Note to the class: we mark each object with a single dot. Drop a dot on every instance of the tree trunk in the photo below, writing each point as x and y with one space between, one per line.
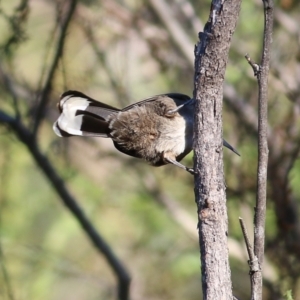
211 55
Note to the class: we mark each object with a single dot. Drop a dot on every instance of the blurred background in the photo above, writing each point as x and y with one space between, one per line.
120 52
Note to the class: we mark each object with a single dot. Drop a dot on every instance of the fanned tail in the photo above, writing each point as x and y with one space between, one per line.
82 115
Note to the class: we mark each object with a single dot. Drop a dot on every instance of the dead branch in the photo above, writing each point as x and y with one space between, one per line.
262 77
261 71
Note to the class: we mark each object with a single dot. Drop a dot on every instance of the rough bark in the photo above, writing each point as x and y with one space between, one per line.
211 55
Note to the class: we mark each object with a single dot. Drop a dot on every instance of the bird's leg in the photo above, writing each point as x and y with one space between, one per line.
172 112
178 164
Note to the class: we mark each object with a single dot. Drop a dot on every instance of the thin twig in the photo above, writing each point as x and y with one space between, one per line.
120 90
48 52
44 98
189 12
253 261
263 151
261 72
255 67
181 39
9 86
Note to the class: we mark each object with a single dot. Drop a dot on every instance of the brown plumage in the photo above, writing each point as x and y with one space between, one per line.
158 129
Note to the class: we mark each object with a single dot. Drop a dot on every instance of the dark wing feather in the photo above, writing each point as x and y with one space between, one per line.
93 101
177 96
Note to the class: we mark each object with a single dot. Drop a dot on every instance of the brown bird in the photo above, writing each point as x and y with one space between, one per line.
158 129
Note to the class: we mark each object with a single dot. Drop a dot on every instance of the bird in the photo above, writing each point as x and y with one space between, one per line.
158 130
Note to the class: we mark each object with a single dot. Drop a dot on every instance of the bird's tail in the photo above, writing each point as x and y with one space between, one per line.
82 115
227 145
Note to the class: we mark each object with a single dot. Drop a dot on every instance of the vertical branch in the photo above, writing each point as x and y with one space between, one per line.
211 56
260 211
261 72
263 151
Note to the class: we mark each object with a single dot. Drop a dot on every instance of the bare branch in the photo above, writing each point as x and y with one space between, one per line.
188 10
178 34
263 134
253 262
116 86
261 72
44 96
254 66
9 86
27 138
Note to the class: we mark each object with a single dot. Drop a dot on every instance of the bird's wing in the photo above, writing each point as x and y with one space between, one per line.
177 96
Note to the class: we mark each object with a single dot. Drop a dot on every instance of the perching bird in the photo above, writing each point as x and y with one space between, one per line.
158 129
